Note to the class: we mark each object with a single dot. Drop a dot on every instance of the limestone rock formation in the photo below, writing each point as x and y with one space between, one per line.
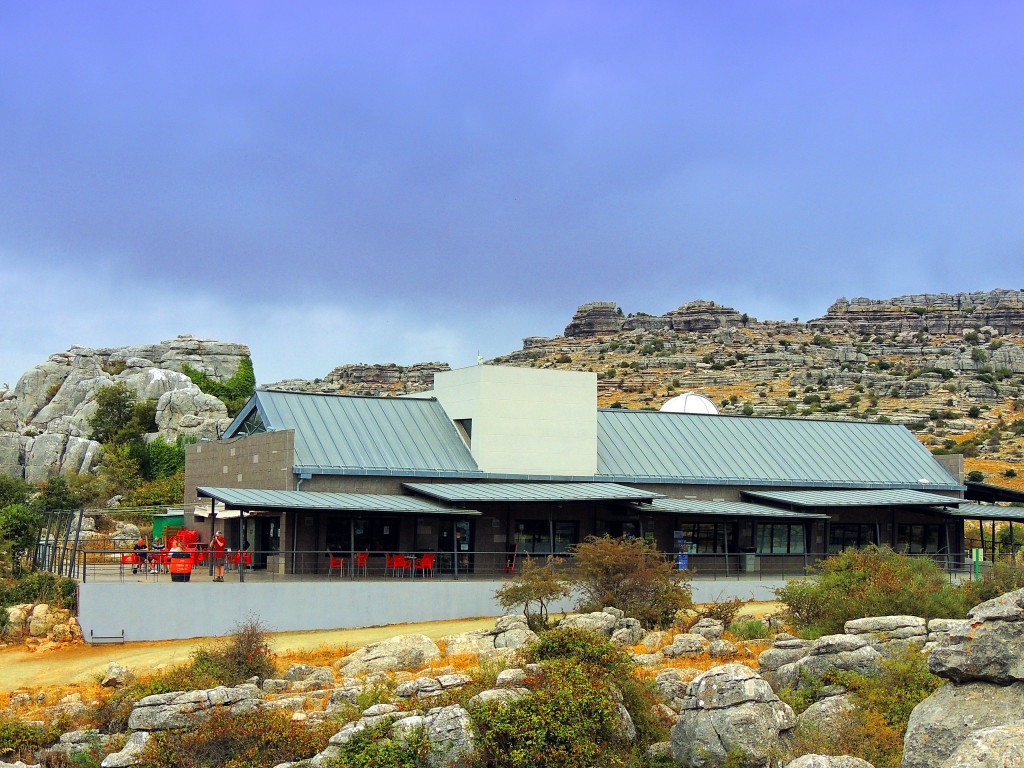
982 660
595 319
375 380
828 761
399 652
997 747
44 419
730 712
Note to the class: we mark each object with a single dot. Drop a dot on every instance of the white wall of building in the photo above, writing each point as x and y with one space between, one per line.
525 420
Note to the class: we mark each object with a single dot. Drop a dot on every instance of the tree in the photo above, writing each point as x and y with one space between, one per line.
534 589
629 574
56 494
13 490
115 406
19 532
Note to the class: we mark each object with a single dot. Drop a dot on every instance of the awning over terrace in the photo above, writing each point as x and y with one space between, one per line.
252 499
896 497
724 509
463 493
987 512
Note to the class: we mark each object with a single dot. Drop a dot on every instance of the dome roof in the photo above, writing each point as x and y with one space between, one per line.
690 402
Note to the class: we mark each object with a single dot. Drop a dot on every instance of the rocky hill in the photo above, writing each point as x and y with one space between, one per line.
948 366
44 419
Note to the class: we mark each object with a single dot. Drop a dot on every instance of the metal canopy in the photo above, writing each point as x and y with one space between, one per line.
253 498
896 497
987 512
530 492
993 493
723 508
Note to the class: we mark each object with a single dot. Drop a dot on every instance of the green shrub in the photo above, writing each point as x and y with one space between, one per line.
40 587
234 392
874 581
754 629
256 739
373 749
19 739
583 646
902 682
570 721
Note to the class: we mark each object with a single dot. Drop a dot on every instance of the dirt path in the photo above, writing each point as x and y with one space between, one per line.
87 663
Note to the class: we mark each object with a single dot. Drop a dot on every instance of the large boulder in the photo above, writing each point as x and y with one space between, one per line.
941 722
849 653
989 646
730 712
999 747
828 761
888 634
182 709
402 652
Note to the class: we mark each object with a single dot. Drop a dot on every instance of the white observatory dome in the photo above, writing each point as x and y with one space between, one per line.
690 402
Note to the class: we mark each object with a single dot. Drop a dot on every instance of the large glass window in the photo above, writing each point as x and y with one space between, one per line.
781 539
705 538
918 539
534 536
851 536
377 535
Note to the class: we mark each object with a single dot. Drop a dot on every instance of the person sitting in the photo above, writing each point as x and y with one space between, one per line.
142 553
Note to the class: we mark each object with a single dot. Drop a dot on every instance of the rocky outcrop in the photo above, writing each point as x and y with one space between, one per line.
828 761
1001 310
44 419
402 652
597 318
42 623
369 380
730 712
182 709
982 659
890 634
849 653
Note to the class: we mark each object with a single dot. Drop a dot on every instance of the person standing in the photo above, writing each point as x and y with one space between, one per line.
218 549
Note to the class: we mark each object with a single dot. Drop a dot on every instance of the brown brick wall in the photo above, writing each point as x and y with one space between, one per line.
257 461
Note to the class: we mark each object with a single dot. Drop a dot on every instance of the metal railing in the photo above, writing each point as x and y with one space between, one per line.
268 566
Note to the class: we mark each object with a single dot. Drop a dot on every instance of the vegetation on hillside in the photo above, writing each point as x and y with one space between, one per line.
234 392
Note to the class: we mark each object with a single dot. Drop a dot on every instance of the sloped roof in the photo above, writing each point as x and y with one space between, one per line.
896 497
384 434
255 498
650 446
987 512
723 508
530 492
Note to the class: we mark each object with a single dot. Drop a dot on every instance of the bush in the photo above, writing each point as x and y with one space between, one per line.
754 629
234 392
263 737
534 589
581 645
874 581
373 749
1003 577
902 682
19 739
631 575
41 587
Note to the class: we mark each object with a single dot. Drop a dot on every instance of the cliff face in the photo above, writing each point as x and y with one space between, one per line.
936 313
44 419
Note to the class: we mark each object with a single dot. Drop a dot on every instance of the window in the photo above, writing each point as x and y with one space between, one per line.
377 535
780 539
706 538
851 535
251 424
534 536
918 539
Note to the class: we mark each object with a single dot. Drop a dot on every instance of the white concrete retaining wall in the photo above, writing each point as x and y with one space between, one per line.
172 610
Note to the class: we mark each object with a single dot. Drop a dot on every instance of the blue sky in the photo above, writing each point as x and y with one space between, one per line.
346 182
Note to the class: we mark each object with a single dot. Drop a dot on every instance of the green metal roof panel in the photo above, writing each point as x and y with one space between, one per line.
723 508
896 497
254 498
386 434
987 512
731 450
527 492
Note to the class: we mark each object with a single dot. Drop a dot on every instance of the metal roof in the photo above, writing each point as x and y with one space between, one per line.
527 492
253 498
991 492
897 497
652 446
987 512
723 508
378 434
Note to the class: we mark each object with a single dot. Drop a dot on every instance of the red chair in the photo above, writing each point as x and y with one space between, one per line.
400 564
389 563
424 564
336 562
359 560
129 558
